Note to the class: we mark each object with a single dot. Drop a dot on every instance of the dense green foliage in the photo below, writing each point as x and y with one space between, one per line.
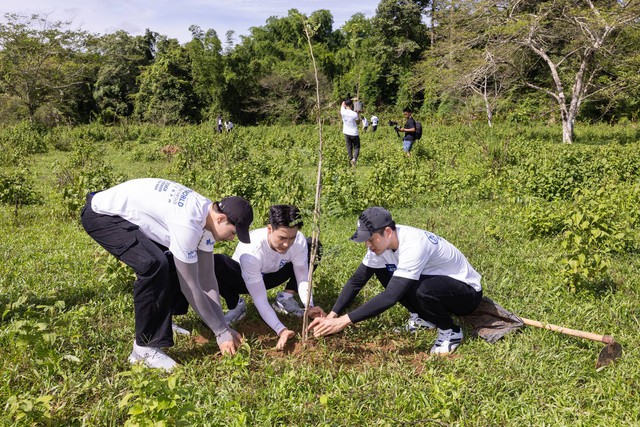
552 228
454 61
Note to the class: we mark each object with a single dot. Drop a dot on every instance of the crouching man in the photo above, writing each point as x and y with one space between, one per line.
138 221
278 253
422 271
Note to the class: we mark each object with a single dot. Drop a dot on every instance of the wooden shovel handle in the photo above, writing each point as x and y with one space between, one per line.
607 339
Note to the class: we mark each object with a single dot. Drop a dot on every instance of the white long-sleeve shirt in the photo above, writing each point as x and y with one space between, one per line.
258 258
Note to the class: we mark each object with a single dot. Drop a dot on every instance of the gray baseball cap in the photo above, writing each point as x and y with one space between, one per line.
370 220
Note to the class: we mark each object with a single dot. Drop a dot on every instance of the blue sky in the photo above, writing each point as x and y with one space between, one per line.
173 18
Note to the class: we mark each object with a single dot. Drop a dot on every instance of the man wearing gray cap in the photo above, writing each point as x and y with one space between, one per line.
418 269
139 222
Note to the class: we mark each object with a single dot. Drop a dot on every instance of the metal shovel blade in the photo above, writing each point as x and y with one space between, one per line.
609 354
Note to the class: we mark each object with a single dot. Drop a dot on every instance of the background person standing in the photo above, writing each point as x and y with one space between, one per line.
219 123
409 130
374 123
350 130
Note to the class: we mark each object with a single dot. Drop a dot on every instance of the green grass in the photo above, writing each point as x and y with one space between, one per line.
67 311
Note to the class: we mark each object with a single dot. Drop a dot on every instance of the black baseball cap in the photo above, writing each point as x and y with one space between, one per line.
370 220
239 211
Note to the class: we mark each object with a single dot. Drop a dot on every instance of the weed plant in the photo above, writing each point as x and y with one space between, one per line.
553 229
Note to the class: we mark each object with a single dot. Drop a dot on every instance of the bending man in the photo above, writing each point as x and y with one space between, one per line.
138 221
417 268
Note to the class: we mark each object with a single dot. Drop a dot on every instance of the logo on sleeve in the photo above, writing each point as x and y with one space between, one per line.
391 267
209 242
432 238
191 255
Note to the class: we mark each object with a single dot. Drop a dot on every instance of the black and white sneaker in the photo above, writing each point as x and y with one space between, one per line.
286 304
414 324
447 341
236 314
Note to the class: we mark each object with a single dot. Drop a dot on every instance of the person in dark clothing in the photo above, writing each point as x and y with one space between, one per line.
409 130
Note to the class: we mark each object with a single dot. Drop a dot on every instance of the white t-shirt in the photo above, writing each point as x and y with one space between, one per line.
349 125
374 120
165 211
258 258
424 253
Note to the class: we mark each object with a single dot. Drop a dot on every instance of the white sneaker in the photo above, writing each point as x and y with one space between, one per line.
414 324
178 330
447 341
236 314
153 357
287 305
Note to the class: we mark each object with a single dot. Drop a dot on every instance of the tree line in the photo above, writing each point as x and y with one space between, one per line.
448 60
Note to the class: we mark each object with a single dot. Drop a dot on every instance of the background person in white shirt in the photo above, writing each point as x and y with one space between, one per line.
374 123
418 269
138 222
350 130
278 253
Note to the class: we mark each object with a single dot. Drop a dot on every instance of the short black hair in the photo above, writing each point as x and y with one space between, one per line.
285 216
348 102
407 110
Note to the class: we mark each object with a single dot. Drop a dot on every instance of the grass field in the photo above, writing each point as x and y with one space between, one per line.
553 229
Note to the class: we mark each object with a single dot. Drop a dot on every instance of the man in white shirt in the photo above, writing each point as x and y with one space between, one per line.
417 268
138 221
277 253
374 123
350 130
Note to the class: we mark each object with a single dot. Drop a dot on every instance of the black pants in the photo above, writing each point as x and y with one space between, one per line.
353 146
435 298
156 290
231 283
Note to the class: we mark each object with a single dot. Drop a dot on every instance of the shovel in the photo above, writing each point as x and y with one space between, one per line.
608 354
490 321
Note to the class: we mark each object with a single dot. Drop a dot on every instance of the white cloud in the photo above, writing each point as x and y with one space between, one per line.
173 18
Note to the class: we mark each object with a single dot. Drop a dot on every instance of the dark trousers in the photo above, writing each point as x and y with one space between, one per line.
435 298
156 290
353 146
231 283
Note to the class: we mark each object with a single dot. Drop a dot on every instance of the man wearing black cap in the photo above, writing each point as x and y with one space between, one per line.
138 221
417 268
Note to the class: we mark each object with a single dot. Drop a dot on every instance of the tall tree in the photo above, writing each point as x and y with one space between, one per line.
269 74
207 70
466 63
166 94
572 38
122 58
40 61
402 37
